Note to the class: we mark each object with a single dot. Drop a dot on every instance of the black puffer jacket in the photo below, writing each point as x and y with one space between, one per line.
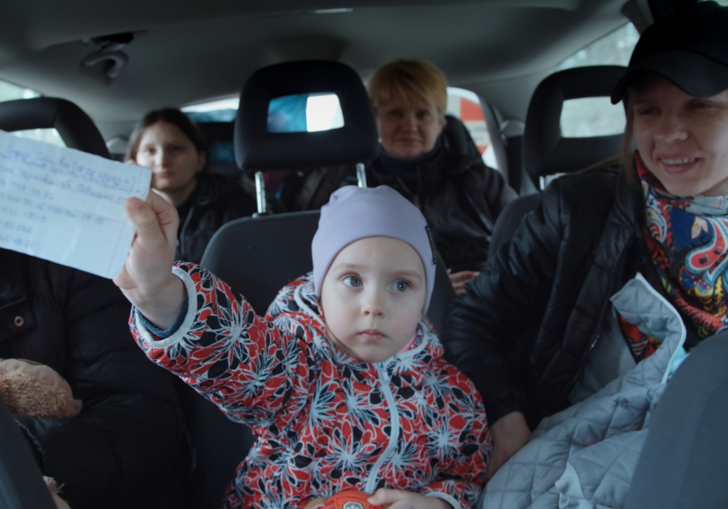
458 194
127 447
570 255
214 202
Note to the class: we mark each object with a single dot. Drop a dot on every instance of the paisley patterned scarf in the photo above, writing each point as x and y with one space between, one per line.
687 239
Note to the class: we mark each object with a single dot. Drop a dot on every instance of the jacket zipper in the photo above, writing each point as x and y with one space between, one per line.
601 322
393 434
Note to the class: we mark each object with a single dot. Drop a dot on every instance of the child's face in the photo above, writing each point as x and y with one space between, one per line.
373 297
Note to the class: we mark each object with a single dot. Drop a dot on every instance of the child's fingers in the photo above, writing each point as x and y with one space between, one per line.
386 496
166 214
144 219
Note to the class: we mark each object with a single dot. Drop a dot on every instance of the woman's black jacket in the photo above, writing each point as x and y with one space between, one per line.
458 194
544 297
214 202
127 447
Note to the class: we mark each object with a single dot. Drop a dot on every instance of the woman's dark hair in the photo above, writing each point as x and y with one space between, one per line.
172 116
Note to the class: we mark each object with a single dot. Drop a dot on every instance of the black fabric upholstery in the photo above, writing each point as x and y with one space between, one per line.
256 149
546 152
277 249
21 482
75 127
270 251
509 221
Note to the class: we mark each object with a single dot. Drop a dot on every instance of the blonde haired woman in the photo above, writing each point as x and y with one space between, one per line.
436 166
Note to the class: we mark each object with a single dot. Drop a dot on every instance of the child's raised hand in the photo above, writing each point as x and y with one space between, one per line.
147 279
398 499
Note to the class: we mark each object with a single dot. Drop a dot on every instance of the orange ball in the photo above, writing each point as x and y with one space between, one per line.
349 499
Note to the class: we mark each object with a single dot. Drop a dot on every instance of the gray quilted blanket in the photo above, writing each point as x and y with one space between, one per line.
584 456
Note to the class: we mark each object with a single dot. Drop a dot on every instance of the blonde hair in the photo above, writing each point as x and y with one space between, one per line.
411 80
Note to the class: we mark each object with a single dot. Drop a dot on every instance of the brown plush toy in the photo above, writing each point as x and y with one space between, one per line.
31 388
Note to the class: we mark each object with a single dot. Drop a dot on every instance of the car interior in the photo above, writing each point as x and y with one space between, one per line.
100 67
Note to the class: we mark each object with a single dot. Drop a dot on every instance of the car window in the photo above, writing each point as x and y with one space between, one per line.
10 92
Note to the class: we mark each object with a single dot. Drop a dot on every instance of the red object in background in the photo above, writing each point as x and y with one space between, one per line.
472 116
349 499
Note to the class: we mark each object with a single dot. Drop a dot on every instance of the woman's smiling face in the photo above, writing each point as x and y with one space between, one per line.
683 140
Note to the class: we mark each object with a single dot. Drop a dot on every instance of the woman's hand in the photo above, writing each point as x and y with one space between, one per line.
458 280
147 279
398 499
509 433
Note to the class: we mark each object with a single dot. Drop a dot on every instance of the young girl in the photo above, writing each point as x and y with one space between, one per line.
342 381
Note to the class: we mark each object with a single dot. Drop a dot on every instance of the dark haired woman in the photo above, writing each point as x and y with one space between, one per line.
173 147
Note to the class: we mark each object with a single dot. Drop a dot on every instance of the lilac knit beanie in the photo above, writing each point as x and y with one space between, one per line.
355 213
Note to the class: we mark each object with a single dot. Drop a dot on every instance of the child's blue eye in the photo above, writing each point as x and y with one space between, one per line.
352 281
401 286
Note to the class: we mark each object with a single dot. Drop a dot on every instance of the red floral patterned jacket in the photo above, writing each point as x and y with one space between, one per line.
323 421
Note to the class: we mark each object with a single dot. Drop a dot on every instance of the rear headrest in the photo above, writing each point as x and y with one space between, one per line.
545 151
75 127
459 138
259 150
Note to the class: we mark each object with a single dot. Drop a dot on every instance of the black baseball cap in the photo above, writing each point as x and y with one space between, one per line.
689 48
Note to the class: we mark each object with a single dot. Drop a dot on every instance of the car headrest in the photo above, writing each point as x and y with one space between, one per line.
459 138
73 125
257 149
546 152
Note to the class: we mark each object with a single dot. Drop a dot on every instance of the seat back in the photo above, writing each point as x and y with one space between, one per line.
546 151
268 253
76 129
258 256
276 250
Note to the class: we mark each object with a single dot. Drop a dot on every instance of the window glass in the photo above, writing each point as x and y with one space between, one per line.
304 112
10 92
591 116
465 105
223 110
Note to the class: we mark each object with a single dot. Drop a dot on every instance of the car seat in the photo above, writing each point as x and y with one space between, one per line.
259 255
76 129
258 150
546 151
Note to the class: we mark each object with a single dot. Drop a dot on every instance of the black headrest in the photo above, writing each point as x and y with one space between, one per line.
459 139
75 127
259 150
545 151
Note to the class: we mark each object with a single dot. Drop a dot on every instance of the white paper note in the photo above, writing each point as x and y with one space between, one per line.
67 206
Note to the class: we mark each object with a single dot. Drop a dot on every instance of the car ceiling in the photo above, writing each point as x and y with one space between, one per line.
189 50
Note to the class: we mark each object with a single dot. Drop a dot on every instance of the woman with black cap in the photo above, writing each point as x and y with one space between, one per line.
661 218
